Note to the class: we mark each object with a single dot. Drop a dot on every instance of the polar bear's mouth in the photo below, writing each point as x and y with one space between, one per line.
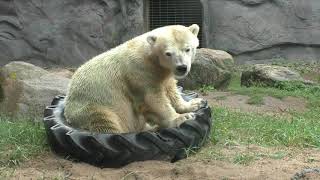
181 71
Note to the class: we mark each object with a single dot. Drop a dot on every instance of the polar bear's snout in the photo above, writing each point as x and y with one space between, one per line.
181 66
181 70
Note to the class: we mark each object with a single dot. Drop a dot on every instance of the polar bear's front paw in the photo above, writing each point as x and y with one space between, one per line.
148 127
184 117
196 104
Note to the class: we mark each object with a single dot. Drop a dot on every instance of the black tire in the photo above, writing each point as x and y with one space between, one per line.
116 150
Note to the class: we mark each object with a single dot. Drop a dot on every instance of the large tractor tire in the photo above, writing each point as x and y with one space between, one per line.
116 150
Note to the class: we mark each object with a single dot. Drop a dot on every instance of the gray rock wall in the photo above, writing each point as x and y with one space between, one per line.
256 30
65 32
69 32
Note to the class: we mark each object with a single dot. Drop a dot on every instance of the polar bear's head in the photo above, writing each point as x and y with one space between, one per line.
175 47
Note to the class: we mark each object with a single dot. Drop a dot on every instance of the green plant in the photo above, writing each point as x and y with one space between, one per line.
243 158
291 85
19 140
282 89
206 88
256 100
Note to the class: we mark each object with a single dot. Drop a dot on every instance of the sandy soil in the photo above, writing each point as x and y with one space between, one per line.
50 166
266 163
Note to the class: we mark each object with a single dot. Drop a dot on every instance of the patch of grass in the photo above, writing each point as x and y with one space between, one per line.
212 152
254 91
206 88
297 86
283 89
191 151
298 130
256 100
278 155
221 98
243 158
20 140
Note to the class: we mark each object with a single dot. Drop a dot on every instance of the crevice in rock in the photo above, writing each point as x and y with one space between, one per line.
252 2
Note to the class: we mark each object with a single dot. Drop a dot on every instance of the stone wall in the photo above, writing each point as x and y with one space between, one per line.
69 32
65 32
258 30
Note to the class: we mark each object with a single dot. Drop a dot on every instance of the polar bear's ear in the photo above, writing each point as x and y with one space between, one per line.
194 28
152 39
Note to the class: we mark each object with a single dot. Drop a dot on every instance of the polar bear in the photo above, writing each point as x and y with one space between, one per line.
133 86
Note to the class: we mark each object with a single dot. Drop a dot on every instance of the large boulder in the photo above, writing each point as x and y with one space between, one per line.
26 89
65 33
210 68
270 75
256 31
19 70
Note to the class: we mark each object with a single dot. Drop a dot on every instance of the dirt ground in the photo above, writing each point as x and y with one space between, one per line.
50 166
265 166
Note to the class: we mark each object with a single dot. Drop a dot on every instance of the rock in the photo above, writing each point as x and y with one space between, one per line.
269 75
310 173
256 31
65 33
210 68
26 89
62 72
19 70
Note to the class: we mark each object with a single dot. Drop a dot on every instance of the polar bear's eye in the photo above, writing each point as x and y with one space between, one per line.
168 54
188 50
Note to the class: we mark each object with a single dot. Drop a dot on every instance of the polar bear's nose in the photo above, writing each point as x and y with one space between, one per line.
182 69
